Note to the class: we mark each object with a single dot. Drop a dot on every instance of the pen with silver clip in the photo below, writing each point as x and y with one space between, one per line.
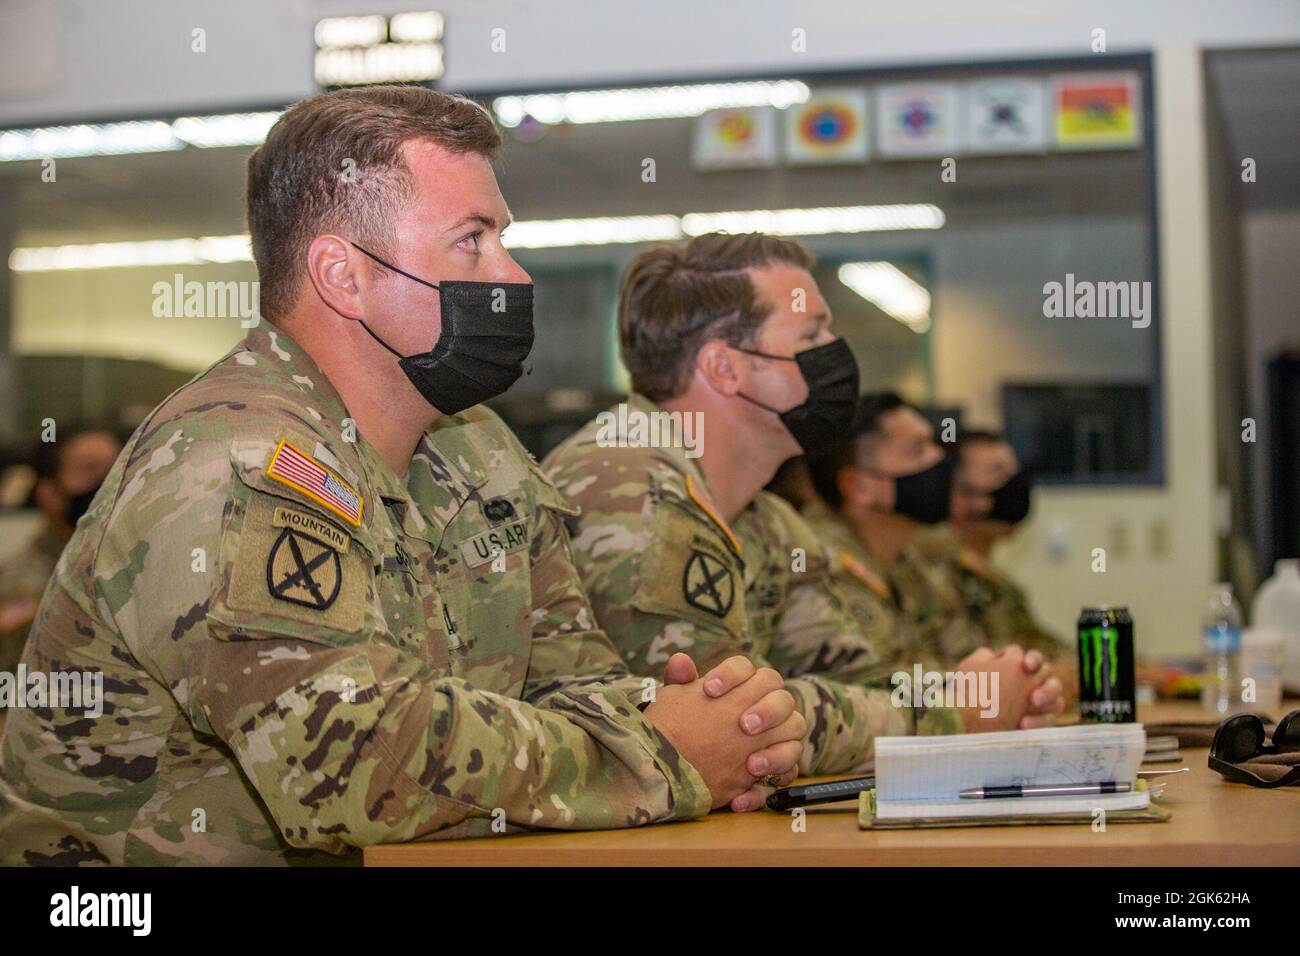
1060 790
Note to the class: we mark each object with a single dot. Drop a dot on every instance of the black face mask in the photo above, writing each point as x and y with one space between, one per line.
831 374
1011 501
487 333
924 496
78 505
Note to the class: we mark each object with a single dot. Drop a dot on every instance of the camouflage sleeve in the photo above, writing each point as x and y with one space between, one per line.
568 647
631 544
569 652
348 738
938 624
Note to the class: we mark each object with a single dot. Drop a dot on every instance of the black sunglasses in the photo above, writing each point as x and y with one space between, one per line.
1240 738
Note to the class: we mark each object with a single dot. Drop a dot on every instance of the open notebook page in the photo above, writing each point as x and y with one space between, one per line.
922 776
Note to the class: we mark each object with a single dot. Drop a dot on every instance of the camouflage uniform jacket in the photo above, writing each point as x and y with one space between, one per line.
917 596
992 599
303 653
665 573
868 597
23 577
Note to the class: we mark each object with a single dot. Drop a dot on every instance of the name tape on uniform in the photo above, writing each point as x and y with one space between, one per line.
482 548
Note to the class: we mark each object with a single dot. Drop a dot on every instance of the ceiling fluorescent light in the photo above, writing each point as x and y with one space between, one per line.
97 139
891 290
232 129
121 255
136 136
551 233
816 222
528 234
656 102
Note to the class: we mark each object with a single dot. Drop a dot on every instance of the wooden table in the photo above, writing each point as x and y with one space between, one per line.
1214 823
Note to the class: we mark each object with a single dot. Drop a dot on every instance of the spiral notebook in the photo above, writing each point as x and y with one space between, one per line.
920 778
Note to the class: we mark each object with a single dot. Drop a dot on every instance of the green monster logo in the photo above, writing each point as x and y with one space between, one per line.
1096 644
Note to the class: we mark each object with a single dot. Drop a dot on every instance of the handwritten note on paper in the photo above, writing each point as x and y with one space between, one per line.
937 769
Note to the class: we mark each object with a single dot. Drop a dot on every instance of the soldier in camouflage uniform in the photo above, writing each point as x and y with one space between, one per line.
891 485
69 470
677 560
991 496
868 594
311 640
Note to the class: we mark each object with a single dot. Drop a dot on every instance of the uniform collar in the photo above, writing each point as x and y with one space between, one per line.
831 529
674 456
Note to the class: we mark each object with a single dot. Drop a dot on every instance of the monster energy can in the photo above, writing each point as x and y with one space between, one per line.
1106 682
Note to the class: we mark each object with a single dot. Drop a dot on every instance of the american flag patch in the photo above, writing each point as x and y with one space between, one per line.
291 467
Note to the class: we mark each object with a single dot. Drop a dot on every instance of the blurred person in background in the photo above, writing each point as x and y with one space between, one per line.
68 473
991 496
879 489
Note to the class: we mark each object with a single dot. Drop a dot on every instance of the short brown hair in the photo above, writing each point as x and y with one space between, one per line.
677 296
334 161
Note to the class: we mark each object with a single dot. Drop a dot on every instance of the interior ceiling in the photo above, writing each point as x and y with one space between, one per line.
595 170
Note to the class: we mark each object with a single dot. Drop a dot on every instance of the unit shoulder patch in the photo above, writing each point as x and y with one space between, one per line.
303 570
973 563
290 565
864 574
708 583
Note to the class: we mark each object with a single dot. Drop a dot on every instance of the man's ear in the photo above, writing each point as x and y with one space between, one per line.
716 365
337 270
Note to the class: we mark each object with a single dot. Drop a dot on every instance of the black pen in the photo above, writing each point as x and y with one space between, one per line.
808 794
1060 790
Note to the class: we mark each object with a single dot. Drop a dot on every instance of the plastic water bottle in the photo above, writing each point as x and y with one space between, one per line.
1221 647
1277 606
1261 670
